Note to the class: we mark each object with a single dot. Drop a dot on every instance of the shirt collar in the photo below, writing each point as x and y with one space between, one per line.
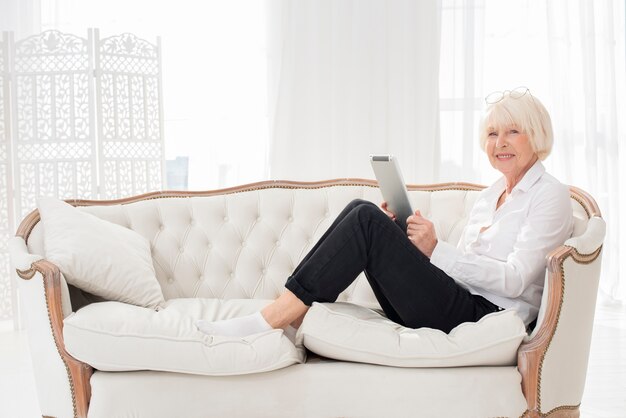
531 177
533 174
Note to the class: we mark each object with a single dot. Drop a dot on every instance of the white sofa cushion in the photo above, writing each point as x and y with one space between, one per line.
113 336
100 257
350 332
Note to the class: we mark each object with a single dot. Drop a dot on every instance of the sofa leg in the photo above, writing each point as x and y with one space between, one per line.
80 374
560 412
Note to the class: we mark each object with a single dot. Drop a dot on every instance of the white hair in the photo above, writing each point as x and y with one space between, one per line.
526 113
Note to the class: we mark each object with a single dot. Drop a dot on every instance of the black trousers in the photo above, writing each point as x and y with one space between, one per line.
411 290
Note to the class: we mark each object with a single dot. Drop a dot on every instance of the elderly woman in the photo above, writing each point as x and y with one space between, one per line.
421 281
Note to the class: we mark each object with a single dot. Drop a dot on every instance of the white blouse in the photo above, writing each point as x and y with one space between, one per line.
501 253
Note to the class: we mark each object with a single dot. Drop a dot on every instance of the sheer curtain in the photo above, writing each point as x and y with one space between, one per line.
571 55
349 78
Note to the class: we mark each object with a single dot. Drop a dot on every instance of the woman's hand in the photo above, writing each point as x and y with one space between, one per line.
421 232
385 209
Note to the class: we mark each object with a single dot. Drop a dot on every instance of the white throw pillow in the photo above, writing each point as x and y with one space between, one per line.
100 257
350 332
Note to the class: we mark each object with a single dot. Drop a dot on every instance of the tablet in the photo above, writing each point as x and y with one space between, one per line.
392 186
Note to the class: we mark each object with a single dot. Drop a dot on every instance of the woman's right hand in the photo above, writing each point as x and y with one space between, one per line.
385 209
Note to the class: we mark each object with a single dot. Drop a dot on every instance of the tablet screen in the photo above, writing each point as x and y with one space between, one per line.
392 186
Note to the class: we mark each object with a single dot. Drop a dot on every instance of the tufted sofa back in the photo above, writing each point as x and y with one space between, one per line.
244 242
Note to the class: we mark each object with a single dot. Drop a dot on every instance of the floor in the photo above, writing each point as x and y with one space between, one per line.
605 388
605 391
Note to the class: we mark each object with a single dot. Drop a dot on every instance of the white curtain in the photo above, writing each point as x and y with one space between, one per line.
22 17
349 78
571 55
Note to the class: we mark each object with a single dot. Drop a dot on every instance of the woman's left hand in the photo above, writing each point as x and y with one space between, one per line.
421 232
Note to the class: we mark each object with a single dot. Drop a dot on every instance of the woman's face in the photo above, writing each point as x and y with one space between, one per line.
510 152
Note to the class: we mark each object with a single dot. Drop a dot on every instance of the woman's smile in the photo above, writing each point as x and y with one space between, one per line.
504 157
510 152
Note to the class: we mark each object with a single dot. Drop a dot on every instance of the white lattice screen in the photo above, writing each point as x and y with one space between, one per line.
54 135
128 86
6 216
85 122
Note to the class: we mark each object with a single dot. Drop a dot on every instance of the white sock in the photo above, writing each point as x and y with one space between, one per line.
235 327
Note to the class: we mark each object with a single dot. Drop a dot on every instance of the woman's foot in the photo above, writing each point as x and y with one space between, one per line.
285 312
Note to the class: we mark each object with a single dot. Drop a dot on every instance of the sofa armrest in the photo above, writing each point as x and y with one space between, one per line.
553 363
22 260
78 373
592 239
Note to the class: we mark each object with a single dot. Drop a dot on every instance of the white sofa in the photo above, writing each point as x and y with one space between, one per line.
257 233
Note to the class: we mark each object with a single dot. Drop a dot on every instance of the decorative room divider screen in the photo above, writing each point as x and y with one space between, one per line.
82 118
7 226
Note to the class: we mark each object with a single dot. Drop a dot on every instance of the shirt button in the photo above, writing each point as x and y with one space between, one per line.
170 280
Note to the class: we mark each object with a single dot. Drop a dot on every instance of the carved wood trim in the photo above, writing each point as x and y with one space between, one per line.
26 274
530 355
27 224
586 258
78 373
586 200
565 412
560 412
32 218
